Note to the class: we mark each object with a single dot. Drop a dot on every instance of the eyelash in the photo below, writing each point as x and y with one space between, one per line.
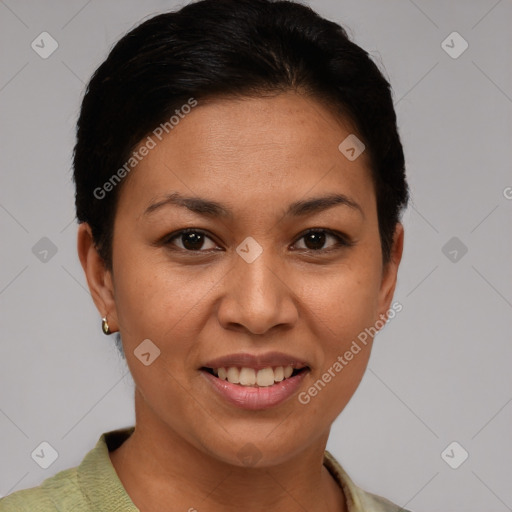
341 240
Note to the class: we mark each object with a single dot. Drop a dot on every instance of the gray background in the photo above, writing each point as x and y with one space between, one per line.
440 371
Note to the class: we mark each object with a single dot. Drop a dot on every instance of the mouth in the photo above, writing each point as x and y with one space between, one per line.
245 376
257 388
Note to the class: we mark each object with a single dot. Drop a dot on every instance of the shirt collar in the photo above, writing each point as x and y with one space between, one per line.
98 479
103 489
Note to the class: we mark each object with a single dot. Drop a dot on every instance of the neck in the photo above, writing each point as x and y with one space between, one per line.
158 467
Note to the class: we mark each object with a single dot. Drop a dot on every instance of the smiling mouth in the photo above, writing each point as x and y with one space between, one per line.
250 377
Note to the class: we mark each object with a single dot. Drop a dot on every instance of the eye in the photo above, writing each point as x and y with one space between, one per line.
316 238
191 240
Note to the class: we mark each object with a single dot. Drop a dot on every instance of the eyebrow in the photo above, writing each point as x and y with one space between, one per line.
213 209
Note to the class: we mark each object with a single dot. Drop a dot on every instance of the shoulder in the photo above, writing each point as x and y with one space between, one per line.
91 486
358 500
374 503
57 493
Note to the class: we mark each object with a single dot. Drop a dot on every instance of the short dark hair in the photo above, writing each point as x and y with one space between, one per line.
223 48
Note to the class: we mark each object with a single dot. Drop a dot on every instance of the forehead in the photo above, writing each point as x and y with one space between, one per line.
250 152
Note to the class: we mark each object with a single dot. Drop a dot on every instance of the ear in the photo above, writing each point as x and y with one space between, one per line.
99 278
390 271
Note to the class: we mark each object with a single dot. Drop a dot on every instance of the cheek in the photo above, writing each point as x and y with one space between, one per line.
344 307
153 296
168 305
345 300
157 301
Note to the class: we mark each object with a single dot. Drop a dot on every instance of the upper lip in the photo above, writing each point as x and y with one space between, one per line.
256 361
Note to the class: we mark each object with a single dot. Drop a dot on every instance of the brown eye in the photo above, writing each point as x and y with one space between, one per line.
194 240
191 240
315 239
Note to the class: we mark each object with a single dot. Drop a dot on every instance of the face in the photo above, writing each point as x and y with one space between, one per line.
248 286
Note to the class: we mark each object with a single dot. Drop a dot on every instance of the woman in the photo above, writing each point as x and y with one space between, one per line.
239 184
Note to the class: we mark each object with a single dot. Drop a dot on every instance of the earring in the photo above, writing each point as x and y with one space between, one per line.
104 326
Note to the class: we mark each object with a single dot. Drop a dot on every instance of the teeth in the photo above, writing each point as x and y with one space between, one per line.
265 377
233 375
251 377
247 377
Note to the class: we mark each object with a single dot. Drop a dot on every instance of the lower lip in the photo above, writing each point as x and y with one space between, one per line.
255 398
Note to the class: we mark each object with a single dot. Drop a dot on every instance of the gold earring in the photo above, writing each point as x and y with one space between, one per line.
104 326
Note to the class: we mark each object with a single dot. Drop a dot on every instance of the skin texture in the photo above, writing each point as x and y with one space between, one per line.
255 156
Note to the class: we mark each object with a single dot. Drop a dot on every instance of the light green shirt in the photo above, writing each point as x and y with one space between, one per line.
94 486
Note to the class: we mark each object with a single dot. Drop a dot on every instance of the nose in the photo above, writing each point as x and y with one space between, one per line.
258 296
